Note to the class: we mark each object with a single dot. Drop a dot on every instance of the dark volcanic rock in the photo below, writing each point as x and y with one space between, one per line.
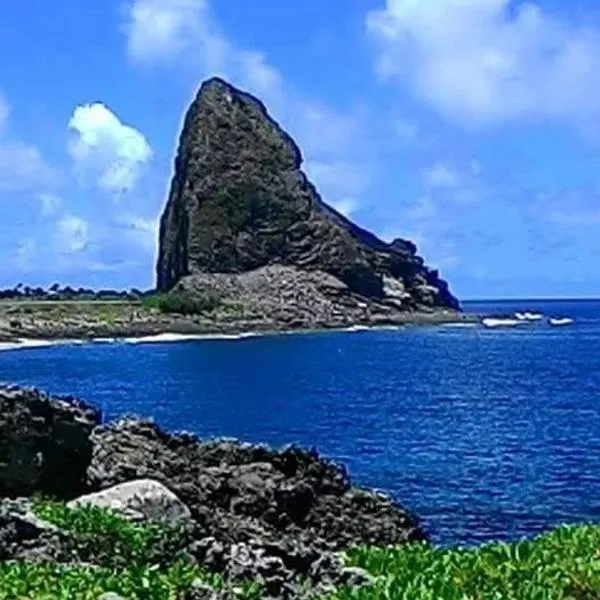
239 201
44 443
259 513
25 537
279 517
237 492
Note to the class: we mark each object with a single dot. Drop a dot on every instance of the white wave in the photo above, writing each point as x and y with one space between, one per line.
163 338
25 344
105 340
459 325
528 316
492 323
355 328
559 322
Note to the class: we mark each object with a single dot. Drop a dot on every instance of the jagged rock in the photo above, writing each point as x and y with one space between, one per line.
238 492
23 536
239 202
260 513
141 499
39 437
280 517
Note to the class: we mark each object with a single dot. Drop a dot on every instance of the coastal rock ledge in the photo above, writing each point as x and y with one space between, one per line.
242 215
278 516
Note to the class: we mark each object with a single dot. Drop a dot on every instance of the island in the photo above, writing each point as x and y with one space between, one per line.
246 243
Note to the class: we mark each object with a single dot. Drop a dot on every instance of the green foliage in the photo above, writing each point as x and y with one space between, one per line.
182 303
25 581
146 561
562 565
111 540
125 558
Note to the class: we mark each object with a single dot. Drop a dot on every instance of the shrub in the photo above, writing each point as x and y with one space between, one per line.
561 565
182 303
108 539
122 559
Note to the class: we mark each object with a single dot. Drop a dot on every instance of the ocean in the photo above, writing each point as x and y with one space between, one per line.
486 434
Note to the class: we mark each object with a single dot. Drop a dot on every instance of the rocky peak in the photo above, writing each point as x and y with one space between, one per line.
239 201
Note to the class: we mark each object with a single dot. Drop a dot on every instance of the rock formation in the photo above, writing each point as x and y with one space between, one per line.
239 202
251 512
38 437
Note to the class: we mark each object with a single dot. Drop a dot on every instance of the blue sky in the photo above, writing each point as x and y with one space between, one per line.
469 126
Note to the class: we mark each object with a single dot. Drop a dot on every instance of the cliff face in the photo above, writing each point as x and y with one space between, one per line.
239 201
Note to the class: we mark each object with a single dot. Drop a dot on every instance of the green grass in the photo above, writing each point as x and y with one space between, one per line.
561 565
136 561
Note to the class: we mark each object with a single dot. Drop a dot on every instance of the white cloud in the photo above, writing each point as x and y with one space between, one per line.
114 152
185 32
442 175
4 111
422 211
142 230
486 61
346 206
72 234
167 30
49 204
22 167
338 175
570 210
339 182
158 29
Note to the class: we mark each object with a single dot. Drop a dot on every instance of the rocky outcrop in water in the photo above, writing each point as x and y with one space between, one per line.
239 202
250 511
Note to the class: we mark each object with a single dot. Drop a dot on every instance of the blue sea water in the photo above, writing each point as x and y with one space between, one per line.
485 433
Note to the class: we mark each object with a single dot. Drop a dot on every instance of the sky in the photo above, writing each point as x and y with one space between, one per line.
471 127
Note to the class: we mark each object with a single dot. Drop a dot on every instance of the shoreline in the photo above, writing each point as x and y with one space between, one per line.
47 332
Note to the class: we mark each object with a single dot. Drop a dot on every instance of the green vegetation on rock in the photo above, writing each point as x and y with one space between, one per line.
561 565
30 581
108 539
147 561
111 554
182 303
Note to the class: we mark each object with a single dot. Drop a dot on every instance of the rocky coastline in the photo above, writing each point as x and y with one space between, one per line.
86 321
281 517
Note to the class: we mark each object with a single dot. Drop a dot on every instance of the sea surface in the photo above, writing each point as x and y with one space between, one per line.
486 434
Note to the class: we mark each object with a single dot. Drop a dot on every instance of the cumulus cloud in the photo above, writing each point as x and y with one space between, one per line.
72 234
113 152
489 61
165 30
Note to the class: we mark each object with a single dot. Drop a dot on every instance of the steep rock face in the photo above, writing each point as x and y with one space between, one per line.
240 201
